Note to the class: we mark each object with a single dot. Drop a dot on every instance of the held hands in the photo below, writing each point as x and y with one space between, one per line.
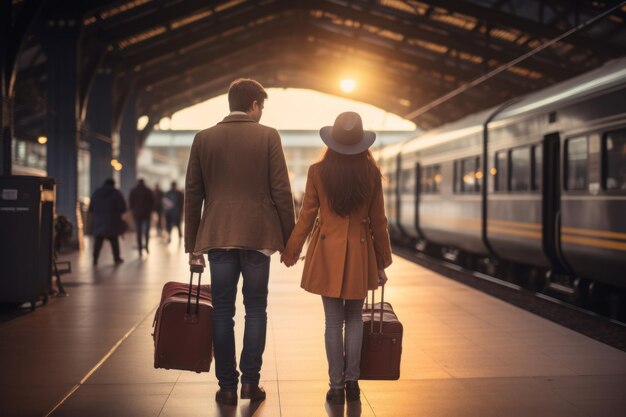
382 277
289 261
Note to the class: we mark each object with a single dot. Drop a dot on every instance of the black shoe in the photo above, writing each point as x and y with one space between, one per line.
253 392
226 397
118 261
353 392
95 262
336 396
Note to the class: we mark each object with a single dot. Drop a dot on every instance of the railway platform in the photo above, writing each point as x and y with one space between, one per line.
464 352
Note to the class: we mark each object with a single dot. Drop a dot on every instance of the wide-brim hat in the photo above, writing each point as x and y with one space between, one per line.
347 136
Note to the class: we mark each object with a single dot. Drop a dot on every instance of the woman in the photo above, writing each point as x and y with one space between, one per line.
343 213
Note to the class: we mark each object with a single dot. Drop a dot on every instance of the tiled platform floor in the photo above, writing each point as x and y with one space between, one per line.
465 353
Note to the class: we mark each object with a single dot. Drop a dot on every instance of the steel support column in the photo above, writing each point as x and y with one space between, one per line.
60 41
6 73
99 126
128 147
6 134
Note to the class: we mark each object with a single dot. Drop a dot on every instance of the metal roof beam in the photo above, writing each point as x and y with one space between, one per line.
425 29
194 34
529 26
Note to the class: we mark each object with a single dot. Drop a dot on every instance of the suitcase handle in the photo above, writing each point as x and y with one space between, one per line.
191 290
382 301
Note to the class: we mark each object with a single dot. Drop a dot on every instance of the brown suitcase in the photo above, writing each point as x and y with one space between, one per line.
382 341
183 329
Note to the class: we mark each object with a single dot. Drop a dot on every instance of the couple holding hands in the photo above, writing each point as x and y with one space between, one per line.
239 210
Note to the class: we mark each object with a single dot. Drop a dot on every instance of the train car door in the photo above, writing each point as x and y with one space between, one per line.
418 188
550 177
397 168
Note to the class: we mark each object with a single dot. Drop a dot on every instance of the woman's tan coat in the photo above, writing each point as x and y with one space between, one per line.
344 253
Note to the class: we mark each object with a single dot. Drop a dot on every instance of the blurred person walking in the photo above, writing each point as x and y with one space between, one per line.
238 174
106 207
158 208
344 215
141 202
173 203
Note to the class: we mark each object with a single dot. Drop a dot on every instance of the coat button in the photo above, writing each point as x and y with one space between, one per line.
362 239
364 220
323 237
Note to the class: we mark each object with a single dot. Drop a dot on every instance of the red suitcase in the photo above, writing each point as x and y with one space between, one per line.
183 330
382 341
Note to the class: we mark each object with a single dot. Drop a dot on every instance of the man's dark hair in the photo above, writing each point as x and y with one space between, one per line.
109 182
243 92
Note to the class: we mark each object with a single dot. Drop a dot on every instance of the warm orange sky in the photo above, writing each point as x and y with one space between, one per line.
290 108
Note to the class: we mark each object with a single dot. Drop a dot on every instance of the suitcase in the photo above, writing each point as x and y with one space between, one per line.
183 329
382 341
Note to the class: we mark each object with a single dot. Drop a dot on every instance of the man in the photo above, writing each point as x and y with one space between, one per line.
237 169
106 207
141 202
158 207
173 203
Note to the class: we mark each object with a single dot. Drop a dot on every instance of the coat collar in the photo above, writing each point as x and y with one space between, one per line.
237 118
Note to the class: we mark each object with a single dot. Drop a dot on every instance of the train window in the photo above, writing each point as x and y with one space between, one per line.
502 170
458 177
479 174
576 160
468 175
520 169
615 160
425 180
436 179
537 167
407 181
391 185
431 179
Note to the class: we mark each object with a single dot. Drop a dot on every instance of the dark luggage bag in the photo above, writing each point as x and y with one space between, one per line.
183 329
382 341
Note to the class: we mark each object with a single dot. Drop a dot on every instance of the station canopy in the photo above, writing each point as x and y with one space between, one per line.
404 54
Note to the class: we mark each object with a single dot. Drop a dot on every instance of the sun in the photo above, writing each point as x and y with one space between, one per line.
347 85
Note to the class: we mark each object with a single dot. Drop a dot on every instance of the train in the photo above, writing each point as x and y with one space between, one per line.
533 190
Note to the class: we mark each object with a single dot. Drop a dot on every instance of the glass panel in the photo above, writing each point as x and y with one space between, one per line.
407 181
425 181
479 174
538 167
576 150
436 175
520 169
615 151
458 177
502 169
469 175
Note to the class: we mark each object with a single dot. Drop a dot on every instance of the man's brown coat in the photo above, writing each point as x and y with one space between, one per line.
237 169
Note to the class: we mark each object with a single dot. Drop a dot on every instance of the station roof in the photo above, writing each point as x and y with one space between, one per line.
405 54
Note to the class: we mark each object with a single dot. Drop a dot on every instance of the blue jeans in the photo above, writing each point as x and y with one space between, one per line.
225 266
343 351
142 228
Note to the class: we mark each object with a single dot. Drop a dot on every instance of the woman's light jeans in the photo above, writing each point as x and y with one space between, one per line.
343 354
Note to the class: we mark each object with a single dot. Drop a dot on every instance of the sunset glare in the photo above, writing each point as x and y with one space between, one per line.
347 85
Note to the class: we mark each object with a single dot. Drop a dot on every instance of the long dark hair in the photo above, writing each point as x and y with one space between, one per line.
348 179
